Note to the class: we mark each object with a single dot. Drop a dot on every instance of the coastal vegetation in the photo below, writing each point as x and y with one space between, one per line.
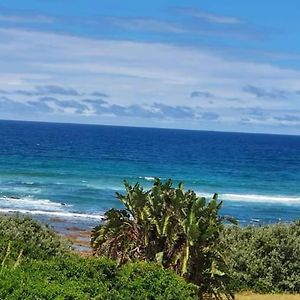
27 239
166 243
74 277
173 228
37 264
264 259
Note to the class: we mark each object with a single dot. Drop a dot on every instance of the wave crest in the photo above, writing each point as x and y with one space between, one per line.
254 198
68 215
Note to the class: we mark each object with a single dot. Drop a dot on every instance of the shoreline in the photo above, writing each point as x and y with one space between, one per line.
75 231
79 239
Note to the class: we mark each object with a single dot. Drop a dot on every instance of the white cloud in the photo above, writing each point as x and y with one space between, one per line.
210 17
142 73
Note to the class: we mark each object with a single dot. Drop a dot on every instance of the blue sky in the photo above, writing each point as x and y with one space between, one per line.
215 65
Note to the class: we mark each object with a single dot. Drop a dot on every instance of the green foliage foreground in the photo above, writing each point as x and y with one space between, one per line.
79 278
185 233
29 239
172 227
265 259
36 264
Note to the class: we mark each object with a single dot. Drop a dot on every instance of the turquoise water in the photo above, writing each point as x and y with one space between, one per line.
73 171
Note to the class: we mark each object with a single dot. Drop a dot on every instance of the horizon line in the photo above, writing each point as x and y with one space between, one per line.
149 127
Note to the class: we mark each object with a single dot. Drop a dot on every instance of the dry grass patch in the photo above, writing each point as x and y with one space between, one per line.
249 296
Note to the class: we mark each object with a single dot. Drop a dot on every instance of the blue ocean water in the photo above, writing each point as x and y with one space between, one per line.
73 171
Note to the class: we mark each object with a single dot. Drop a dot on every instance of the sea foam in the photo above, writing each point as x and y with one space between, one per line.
68 215
254 198
29 201
260 198
148 178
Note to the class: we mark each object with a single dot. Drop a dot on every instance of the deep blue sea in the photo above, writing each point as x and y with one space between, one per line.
73 171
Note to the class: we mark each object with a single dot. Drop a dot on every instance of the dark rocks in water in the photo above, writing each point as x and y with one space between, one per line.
14 197
63 204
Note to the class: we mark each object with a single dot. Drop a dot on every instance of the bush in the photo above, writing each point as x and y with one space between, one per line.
142 280
172 227
265 259
57 278
90 278
32 239
48 270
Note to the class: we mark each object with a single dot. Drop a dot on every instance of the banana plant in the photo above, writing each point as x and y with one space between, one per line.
172 227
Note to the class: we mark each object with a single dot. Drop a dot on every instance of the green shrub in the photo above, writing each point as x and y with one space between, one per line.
48 270
35 240
142 280
172 227
265 259
90 278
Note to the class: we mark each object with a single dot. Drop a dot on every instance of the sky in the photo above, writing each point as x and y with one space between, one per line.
225 65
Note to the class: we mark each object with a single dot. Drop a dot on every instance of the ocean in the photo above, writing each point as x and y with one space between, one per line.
72 172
